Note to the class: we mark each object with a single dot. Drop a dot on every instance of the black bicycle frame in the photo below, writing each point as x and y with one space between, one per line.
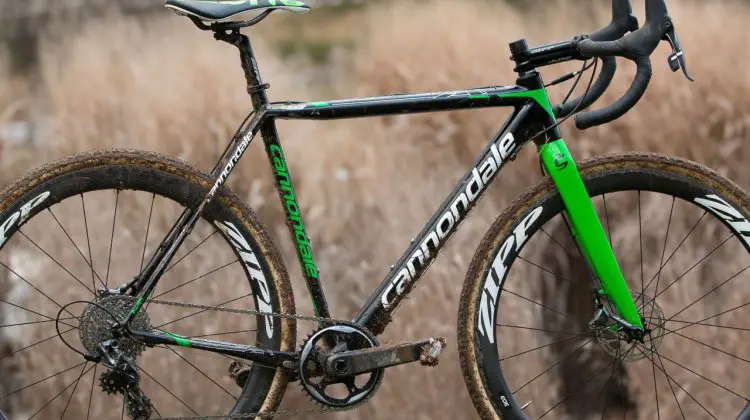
530 116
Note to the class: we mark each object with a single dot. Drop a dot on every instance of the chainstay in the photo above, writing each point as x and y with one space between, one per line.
268 414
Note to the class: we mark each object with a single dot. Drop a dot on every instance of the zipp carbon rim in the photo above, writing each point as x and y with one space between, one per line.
90 221
680 233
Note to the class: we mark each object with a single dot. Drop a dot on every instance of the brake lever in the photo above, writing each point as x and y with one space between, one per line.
677 58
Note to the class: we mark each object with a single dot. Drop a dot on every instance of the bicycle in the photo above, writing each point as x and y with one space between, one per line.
341 364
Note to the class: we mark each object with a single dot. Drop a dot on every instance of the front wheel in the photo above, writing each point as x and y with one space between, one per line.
681 236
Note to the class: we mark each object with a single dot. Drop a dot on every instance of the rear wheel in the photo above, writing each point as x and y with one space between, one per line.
90 222
680 234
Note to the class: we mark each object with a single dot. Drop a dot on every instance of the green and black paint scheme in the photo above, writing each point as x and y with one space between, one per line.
533 114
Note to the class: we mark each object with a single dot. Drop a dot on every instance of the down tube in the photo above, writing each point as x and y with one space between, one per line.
588 229
402 277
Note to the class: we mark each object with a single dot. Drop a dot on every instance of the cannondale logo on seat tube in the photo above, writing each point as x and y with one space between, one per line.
499 270
734 218
292 209
422 257
251 263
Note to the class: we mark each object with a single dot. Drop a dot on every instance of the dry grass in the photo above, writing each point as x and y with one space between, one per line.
366 186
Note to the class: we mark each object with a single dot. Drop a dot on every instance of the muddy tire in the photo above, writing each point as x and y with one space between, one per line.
258 275
525 344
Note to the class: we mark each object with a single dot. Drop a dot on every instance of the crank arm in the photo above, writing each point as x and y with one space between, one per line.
351 363
261 356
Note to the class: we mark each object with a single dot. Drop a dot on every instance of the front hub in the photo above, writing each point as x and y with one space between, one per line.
622 344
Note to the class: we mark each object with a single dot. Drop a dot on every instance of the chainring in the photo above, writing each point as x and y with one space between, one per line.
313 378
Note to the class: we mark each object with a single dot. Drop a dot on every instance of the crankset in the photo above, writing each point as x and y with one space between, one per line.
339 366
336 358
357 362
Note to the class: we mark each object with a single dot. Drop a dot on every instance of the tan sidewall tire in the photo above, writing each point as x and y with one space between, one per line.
279 281
469 354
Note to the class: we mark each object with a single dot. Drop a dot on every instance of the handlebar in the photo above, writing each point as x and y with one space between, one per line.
623 22
637 47
607 44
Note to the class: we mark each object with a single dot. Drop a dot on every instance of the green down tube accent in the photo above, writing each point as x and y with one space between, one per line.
588 229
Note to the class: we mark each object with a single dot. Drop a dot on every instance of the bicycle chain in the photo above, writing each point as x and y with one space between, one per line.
269 414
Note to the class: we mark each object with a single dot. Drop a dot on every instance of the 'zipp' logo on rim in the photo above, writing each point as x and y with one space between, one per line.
17 218
734 218
498 271
253 267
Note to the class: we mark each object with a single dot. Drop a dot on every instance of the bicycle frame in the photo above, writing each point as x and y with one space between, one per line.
532 114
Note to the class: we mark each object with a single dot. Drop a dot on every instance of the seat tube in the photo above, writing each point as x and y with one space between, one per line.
587 228
283 179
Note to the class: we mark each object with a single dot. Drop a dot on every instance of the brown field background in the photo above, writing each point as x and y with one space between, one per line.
366 186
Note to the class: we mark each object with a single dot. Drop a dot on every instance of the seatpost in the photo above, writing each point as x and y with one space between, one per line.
255 86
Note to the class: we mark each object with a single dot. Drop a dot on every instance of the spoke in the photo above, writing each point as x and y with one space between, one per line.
226 333
669 381
32 323
201 311
622 394
196 278
702 324
166 389
706 345
704 319
661 262
88 240
640 242
202 373
55 261
537 303
42 380
157 411
33 312
543 330
606 383
111 240
70 397
706 294
656 390
49 209
553 366
701 376
675 250
91 393
601 388
190 252
35 288
589 379
148 228
678 384
61 392
694 265
38 342
559 245
540 347
545 269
